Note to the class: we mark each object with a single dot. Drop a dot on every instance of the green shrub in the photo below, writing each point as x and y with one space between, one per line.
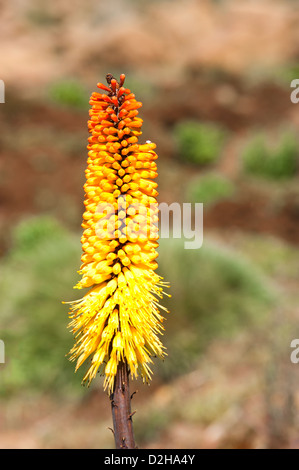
152 423
43 18
279 162
35 277
210 189
69 93
199 142
286 72
215 293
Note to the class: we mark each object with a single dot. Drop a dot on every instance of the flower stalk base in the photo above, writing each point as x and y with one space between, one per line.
121 409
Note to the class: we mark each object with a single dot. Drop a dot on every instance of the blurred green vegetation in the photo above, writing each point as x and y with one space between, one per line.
199 142
285 73
276 258
42 17
143 89
210 188
152 423
275 162
215 293
69 92
36 276
41 268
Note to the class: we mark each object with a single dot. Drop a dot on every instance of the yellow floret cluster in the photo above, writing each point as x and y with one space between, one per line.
118 319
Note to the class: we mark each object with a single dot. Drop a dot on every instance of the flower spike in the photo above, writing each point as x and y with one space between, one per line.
119 318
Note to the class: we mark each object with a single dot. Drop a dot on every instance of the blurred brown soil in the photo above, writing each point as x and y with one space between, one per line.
37 176
203 71
227 403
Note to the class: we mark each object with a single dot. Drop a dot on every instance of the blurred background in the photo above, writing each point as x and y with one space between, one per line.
214 78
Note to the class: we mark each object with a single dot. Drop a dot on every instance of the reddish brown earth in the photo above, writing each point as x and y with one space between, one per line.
36 179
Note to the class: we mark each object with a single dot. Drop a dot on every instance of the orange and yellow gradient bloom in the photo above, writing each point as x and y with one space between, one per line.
118 319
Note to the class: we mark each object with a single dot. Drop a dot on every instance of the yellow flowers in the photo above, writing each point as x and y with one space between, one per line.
118 319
